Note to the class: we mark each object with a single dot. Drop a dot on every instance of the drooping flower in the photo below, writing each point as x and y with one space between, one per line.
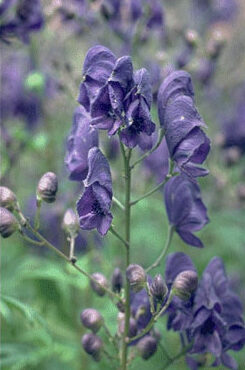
187 143
82 138
185 209
94 205
212 318
97 67
139 125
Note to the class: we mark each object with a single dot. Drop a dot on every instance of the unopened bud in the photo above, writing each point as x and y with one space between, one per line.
136 277
8 223
158 288
92 319
215 44
48 187
98 288
147 346
185 284
7 198
70 222
132 331
191 37
232 155
92 344
117 280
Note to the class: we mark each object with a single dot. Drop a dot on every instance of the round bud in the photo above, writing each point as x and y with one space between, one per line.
7 198
92 319
70 222
132 326
147 346
158 288
191 38
98 288
117 280
92 345
232 155
184 284
8 223
48 187
136 276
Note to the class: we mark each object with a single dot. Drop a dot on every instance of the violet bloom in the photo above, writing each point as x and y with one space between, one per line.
139 124
82 138
94 205
218 325
185 209
187 143
107 107
97 68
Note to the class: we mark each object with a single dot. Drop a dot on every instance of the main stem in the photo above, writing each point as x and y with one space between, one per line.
127 174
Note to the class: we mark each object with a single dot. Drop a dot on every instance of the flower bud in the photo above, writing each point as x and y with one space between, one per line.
147 346
117 280
92 319
191 38
70 222
158 288
98 288
184 284
7 198
136 277
132 331
92 345
8 223
47 187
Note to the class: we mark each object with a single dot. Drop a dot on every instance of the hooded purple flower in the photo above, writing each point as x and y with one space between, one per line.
140 127
185 209
97 68
107 107
218 325
82 138
187 143
93 207
211 318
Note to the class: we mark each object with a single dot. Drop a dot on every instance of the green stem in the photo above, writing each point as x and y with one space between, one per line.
165 249
157 187
118 236
72 245
118 203
140 159
179 355
67 259
152 321
37 215
127 173
112 339
30 240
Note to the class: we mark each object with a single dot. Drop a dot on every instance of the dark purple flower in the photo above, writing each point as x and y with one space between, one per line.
139 124
107 107
185 209
82 138
187 143
94 205
140 307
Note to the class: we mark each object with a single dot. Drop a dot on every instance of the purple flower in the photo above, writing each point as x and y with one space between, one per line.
94 205
187 143
82 138
140 127
185 209
97 68
107 107
211 318
218 325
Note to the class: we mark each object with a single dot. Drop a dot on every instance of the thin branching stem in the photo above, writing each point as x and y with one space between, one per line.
118 203
118 236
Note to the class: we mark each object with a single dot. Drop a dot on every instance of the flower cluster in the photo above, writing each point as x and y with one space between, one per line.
212 317
117 98
187 143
